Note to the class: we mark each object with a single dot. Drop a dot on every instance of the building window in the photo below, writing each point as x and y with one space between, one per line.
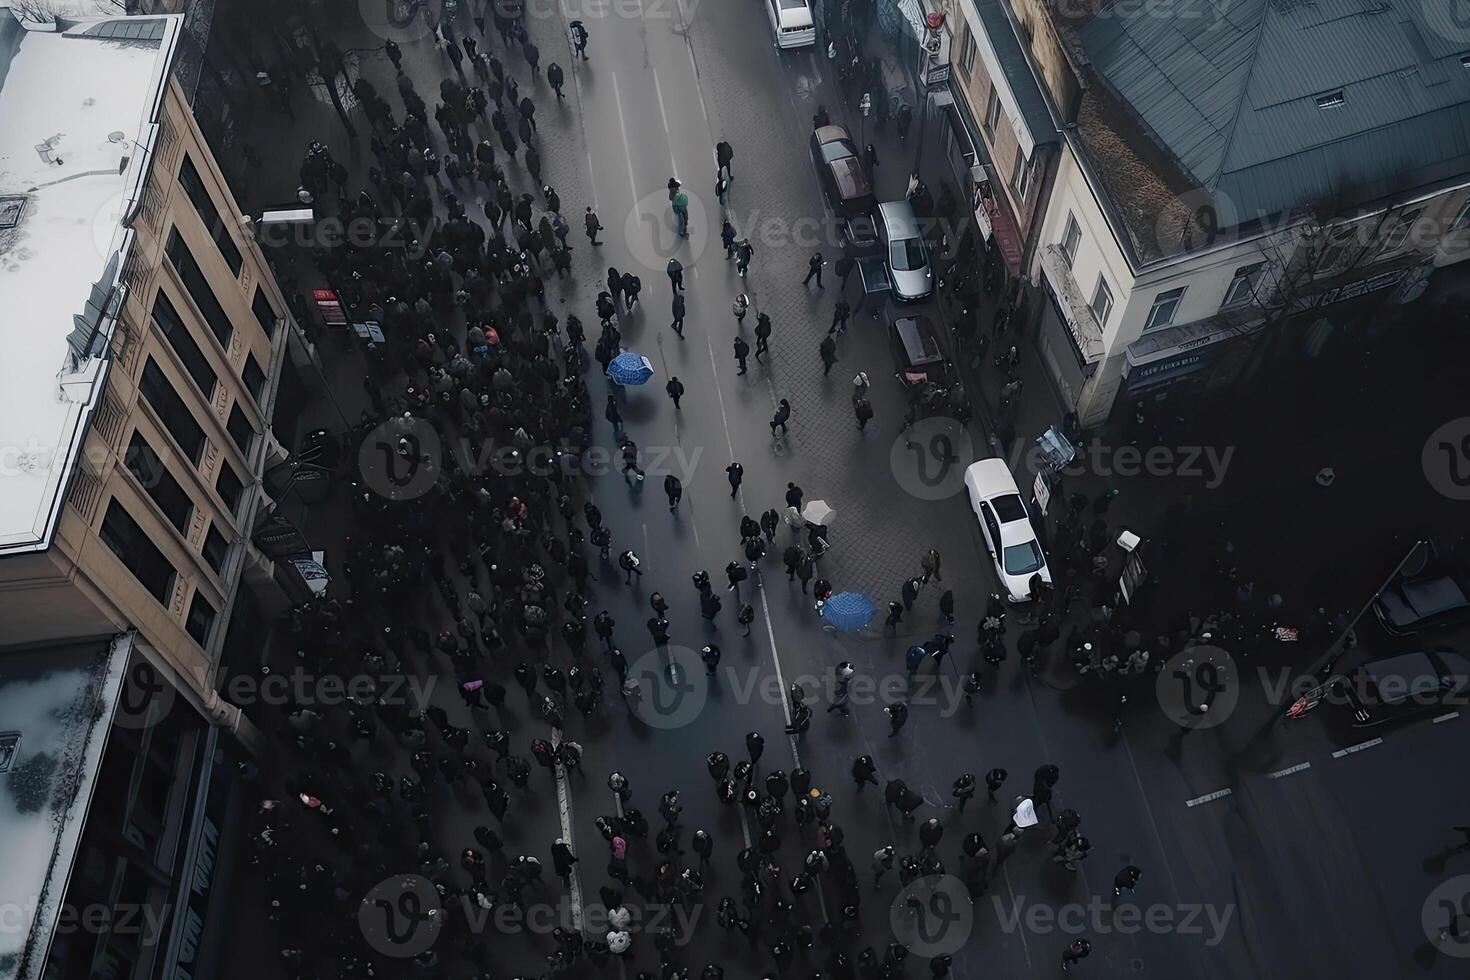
216 547
1071 238
137 551
1400 231
1161 314
1243 287
199 288
967 53
992 112
241 430
173 327
254 377
1021 174
261 307
172 411
144 464
201 618
1462 219
193 185
1102 302
1331 100
229 486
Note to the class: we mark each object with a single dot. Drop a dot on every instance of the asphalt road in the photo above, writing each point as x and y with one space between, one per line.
1313 872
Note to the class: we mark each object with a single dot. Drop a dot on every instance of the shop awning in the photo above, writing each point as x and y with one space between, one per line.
1003 229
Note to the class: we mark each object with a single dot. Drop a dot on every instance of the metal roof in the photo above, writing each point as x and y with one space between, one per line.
1231 91
1017 72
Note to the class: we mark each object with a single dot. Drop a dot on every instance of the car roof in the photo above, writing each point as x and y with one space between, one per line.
990 477
1431 596
1405 672
920 340
851 181
899 218
831 134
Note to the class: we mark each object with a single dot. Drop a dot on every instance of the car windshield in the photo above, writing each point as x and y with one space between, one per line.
1009 508
907 255
1021 559
838 150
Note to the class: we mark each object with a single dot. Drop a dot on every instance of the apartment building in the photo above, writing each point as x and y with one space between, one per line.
145 339
1225 173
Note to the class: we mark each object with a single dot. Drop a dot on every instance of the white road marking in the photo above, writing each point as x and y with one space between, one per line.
1288 771
1208 797
1357 748
623 135
658 90
564 805
1452 714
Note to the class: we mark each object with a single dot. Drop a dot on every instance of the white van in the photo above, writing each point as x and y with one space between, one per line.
791 20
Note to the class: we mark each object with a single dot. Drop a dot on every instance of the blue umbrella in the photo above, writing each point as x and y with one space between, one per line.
630 369
849 611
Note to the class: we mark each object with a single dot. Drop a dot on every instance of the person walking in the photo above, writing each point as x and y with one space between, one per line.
769 521
593 224
727 239
739 308
827 349
963 790
744 252
930 564
674 490
579 38
675 271
895 616
862 410
1126 880
814 268
742 351
897 713
629 563
762 335
864 770
562 860
782 416
1076 951
994 779
734 473
745 617
678 311
675 390
724 153
556 78
840 313
680 207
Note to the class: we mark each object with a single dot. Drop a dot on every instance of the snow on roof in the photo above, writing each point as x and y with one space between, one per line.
76 119
56 707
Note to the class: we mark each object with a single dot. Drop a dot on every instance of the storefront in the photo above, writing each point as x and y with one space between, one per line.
1188 350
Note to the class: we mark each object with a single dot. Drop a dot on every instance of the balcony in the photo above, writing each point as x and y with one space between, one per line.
1086 333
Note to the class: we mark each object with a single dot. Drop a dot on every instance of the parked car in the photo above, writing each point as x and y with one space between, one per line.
840 169
860 236
1006 526
908 254
791 21
1420 602
918 351
1403 686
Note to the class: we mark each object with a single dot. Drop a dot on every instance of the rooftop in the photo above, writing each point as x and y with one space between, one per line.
55 708
77 107
1272 107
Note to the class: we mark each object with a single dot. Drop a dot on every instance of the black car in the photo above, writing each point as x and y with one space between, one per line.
860 237
840 169
1403 686
1421 602
918 351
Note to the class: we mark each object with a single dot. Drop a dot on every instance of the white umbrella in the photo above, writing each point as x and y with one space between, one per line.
818 512
1025 815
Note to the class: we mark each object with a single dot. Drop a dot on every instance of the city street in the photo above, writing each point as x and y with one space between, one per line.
1311 865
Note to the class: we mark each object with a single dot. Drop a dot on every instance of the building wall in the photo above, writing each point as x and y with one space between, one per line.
86 581
1045 45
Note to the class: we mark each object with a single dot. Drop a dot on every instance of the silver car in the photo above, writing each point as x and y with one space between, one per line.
907 253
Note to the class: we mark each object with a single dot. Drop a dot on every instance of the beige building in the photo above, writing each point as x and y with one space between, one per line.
146 339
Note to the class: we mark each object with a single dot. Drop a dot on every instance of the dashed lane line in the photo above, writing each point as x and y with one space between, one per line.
1299 767
1208 797
1447 717
1357 748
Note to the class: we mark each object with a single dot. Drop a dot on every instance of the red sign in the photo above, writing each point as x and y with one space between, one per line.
1006 236
329 306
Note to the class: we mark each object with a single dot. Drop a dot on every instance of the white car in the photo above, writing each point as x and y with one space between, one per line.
1009 537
